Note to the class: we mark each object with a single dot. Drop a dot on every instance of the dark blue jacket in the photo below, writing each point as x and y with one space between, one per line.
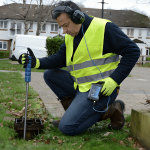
115 41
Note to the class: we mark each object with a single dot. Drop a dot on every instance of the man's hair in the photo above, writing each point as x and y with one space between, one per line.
71 4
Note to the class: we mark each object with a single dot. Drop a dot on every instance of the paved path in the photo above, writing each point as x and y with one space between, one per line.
134 91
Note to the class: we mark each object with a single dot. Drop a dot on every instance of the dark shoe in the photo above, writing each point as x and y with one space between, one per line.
65 103
56 123
116 114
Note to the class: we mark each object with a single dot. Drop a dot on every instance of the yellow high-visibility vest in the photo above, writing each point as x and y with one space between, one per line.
82 68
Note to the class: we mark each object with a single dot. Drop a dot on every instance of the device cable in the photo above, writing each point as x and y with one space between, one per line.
99 71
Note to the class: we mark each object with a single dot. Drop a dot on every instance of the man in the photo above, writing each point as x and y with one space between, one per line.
90 52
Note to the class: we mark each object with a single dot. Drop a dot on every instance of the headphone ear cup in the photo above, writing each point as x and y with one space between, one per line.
71 16
77 16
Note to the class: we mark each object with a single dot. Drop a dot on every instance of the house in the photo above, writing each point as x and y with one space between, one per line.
133 24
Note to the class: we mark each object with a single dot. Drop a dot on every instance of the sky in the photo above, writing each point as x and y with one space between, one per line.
137 5
142 6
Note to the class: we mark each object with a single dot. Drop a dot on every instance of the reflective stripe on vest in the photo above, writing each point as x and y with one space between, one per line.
96 62
94 77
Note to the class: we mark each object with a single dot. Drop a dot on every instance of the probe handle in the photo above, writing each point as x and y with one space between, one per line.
28 71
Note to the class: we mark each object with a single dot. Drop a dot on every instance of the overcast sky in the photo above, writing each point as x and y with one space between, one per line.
138 5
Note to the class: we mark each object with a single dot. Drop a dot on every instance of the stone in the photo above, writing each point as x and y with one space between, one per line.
140 126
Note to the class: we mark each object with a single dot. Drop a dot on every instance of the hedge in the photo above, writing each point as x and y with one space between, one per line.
4 54
147 58
53 44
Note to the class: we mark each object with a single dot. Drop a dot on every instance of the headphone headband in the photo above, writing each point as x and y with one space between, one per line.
75 15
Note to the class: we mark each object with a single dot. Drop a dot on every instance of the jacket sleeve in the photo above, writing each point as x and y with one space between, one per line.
58 60
118 42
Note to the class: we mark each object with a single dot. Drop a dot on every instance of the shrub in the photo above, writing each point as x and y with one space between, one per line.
147 58
53 44
4 54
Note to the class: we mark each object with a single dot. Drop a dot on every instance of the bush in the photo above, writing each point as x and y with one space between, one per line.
4 54
147 58
53 44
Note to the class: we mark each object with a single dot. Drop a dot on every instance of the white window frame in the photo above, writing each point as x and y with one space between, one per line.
12 28
54 30
3 45
3 25
18 26
148 33
129 32
140 32
43 26
15 28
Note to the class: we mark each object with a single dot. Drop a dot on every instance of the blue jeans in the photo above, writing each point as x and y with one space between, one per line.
80 115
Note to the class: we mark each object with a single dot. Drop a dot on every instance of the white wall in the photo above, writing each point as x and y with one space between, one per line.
136 34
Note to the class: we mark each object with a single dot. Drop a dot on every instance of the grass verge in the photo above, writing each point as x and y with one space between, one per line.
12 91
145 65
6 65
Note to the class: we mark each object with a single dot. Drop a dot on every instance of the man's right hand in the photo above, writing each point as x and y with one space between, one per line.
35 63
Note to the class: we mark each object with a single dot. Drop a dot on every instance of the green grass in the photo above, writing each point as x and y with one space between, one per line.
12 91
145 65
6 65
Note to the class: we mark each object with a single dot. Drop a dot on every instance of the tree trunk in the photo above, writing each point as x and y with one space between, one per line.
25 28
38 31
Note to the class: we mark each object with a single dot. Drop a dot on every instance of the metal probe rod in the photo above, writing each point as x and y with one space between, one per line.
25 119
27 80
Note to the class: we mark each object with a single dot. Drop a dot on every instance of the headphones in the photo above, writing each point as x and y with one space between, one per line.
75 15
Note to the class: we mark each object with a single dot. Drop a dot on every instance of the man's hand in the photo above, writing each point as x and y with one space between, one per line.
109 86
35 63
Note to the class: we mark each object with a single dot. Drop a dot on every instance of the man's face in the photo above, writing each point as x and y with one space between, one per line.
68 25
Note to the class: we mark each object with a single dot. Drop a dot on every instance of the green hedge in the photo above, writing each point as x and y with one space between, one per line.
53 44
147 58
4 54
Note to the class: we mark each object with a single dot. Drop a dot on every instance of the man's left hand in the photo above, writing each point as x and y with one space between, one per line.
109 86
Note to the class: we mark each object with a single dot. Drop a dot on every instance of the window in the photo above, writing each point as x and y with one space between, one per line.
15 26
3 45
54 27
18 28
130 32
147 52
140 32
12 25
12 28
43 27
148 32
3 24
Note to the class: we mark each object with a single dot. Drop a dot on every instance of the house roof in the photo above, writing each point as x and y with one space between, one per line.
122 18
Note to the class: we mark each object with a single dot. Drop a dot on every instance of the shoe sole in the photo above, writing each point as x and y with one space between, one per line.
123 109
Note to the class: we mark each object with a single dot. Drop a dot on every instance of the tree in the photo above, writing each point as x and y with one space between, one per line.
31 10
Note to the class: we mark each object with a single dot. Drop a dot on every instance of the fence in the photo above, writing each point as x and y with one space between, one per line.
142 59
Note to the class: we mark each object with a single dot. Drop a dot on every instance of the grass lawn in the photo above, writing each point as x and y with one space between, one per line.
145 65
6 65
12 103
12 91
